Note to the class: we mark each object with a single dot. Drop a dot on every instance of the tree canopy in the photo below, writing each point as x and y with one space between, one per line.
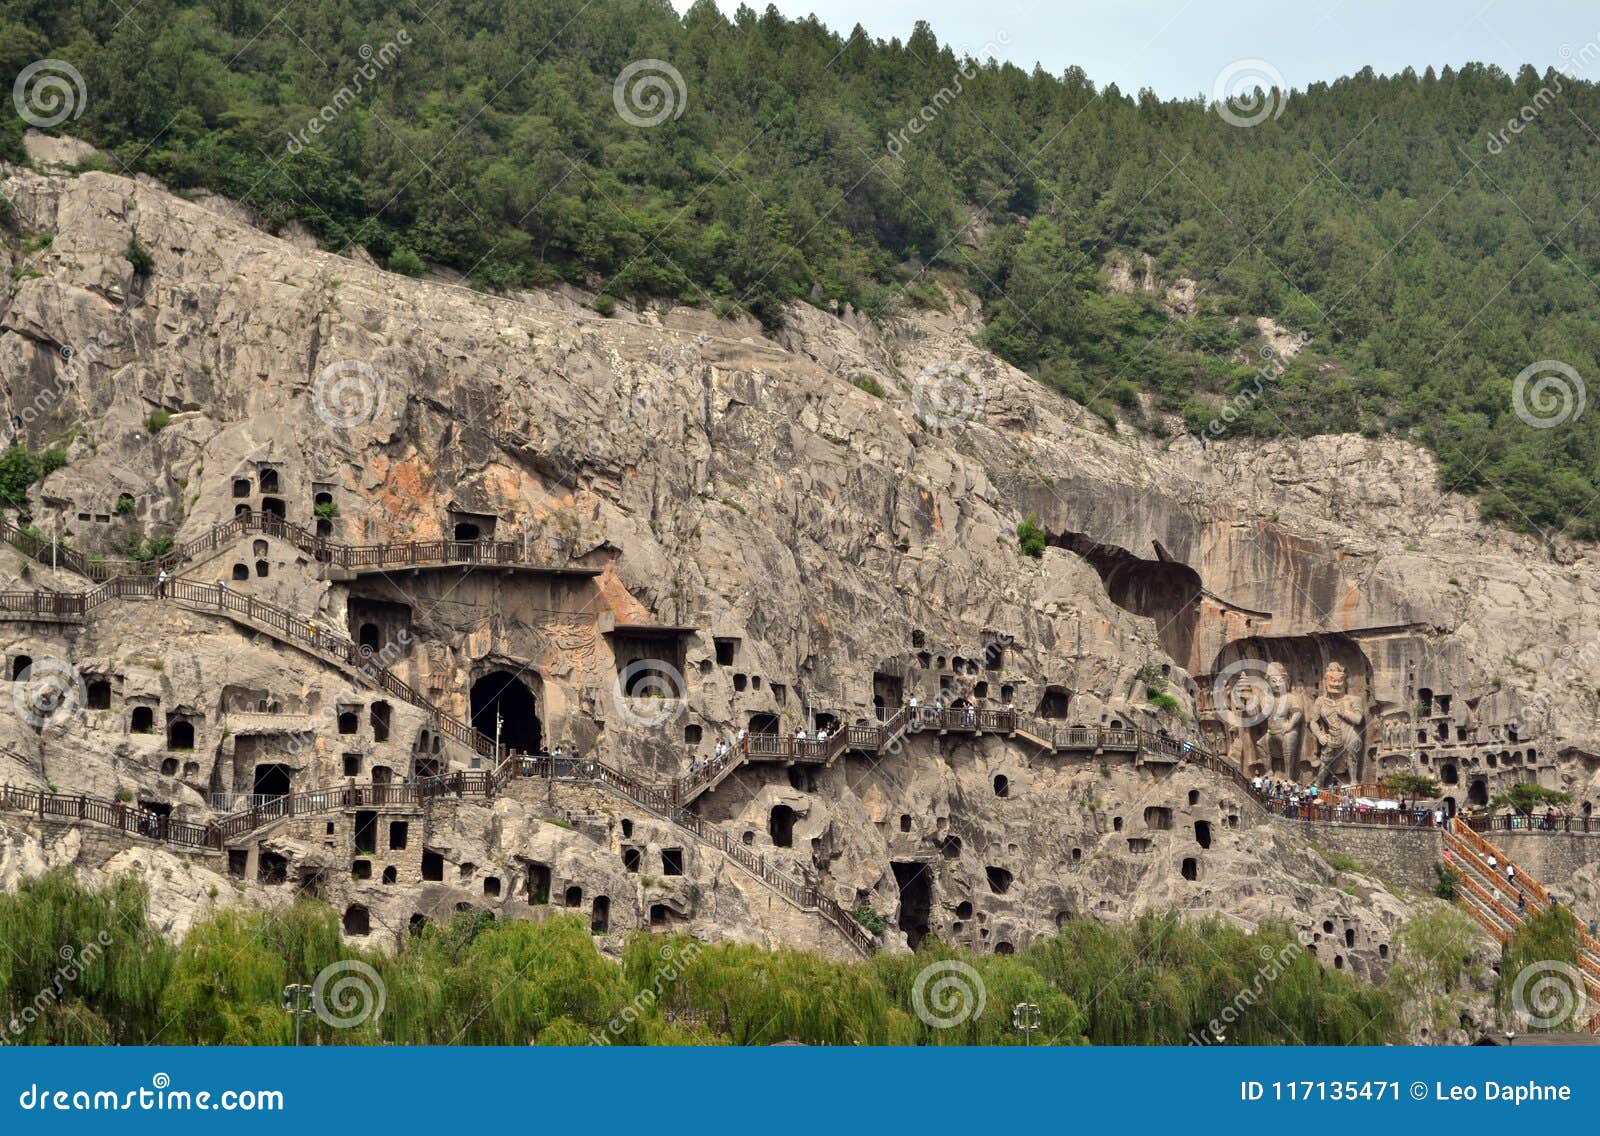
1428 255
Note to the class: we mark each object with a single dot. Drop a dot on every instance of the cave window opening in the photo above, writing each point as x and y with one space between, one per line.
916 900
369 638
573 896
432 867
658 915
999 879
20 667
1478 792
361 870
241 511
630 860
180 734
466 532
380 714
1202 833
272 780
399 832
780 826
274 507
1002 785
391 874
538 883
692 734
491 886
600 915
241 487
348 722
271 868
366 834
262 569
763 723
1191 868
727 649
98 694
357 920
672 861
506 695
241 572
1194 796
905 822
1448 774
951 847
1054 703
269 480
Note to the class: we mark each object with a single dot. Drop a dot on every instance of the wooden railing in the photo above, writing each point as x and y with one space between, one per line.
392 554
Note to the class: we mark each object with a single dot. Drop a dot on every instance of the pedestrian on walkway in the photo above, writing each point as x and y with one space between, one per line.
222 594
161 584
311 630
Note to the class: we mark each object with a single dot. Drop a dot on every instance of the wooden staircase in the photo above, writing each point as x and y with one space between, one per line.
1486 896
295 630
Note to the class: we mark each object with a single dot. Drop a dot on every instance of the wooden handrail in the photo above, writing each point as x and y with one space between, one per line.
404 554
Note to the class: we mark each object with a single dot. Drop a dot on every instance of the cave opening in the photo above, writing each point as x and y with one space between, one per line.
504 696
780 826
916 900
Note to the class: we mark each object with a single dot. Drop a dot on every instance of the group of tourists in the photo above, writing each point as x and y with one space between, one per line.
721 754
1289 797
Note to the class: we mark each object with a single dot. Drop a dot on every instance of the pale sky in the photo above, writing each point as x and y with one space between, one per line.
1179 47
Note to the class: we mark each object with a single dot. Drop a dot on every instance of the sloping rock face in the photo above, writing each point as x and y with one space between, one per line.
760 529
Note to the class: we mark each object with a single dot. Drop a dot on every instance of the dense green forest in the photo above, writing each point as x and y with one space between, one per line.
85 967
1429 254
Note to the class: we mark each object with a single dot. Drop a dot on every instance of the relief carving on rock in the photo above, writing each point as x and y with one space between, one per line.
1336 719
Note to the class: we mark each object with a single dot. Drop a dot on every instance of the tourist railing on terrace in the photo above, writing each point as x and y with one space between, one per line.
1516 822
396 554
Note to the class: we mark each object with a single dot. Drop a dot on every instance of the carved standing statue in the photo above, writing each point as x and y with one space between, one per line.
1336 719
1286 715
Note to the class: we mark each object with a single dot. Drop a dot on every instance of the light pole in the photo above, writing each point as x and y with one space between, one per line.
299 1000
1025 1018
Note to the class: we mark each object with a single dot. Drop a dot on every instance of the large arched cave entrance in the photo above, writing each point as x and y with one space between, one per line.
507 695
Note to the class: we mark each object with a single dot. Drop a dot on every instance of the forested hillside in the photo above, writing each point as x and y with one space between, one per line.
1430 256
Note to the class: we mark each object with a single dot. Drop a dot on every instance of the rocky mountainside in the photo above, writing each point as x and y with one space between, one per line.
762 529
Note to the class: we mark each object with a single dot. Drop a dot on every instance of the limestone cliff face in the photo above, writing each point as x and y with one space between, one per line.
771 526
